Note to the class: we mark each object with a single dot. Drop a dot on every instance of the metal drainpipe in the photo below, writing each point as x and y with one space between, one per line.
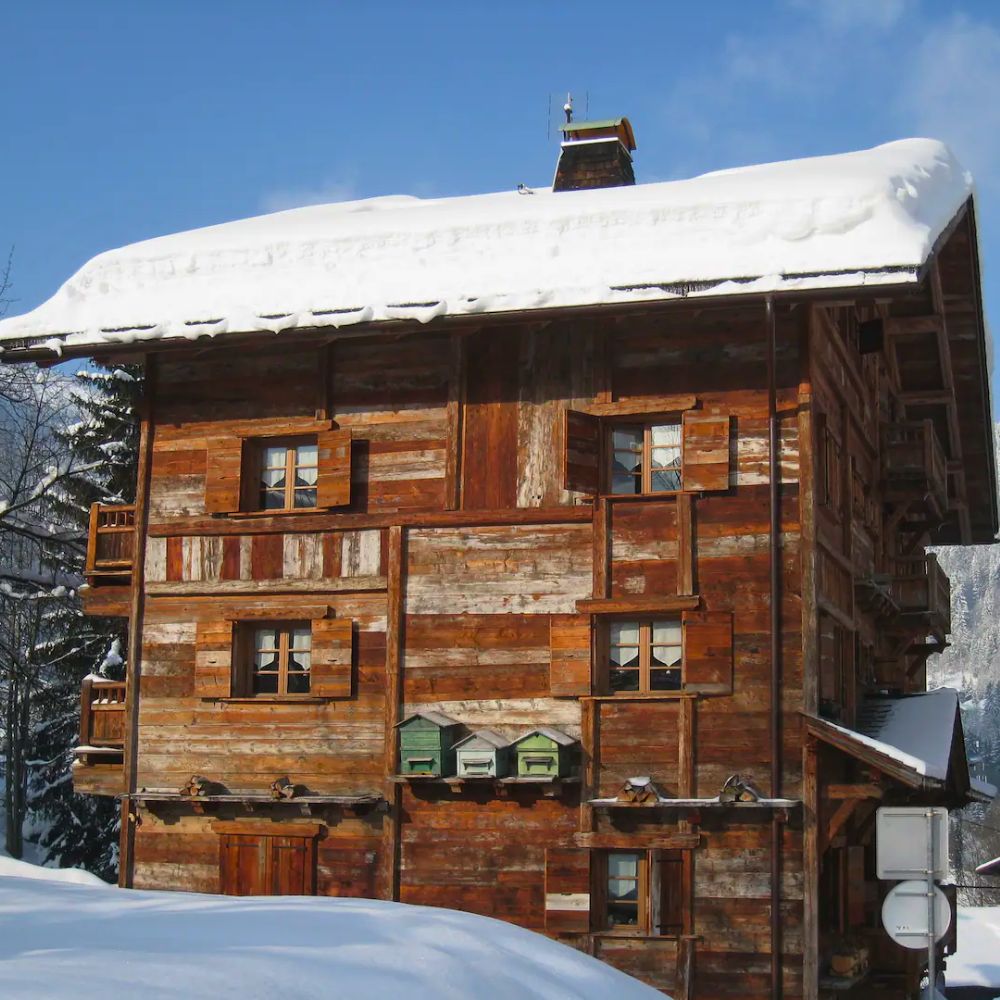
775 567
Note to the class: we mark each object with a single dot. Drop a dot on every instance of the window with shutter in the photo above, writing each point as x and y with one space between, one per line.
301 472
646 456
570 662
640 892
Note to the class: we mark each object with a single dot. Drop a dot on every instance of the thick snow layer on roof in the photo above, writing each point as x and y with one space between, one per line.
122 943
869 217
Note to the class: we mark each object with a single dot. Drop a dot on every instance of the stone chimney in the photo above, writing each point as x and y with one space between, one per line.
595 155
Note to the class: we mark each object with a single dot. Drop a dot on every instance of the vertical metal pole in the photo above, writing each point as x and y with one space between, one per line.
931 901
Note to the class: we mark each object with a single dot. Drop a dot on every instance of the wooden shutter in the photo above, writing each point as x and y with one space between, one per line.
333 485
293 866
582 455
569 655
243 864
706 451
666 887
567 890
213 659
332 653
224 475
708 651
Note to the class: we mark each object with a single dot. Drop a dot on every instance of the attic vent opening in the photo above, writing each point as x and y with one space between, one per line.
595 154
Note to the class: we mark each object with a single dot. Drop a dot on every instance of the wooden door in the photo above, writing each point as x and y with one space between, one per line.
265 865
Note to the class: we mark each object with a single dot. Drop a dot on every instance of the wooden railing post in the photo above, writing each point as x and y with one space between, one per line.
86 708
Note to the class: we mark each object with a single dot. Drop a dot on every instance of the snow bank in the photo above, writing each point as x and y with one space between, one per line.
12 868
122 944
862 218
977 960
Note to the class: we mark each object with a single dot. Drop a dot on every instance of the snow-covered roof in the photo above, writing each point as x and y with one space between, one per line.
915 730
864 218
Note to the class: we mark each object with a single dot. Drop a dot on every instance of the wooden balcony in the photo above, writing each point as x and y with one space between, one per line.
915 470
97 769
922 591
110 554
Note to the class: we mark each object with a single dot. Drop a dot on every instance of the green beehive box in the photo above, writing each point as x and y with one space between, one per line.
545 753
484 754
427 745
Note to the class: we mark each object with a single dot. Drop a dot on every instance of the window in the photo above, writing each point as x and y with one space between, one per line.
646 458
625 889
645 655
641 892
288 474
278 658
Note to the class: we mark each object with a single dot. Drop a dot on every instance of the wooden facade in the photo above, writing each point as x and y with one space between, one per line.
464 553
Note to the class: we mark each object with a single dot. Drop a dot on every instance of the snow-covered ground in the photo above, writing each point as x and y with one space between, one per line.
65 934
977 961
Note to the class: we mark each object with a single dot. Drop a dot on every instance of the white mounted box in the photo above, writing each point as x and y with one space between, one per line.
901 842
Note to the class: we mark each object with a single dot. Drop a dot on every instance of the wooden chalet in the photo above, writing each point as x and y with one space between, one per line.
654 468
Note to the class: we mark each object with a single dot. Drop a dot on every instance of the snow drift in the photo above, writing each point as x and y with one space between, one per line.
62 940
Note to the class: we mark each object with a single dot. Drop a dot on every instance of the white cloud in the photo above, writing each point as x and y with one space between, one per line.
331 190
951 91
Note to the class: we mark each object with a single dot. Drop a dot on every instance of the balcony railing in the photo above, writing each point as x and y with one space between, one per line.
914 464
921 588
110 544
102 721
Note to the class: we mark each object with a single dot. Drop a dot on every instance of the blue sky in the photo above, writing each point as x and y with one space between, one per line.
126 120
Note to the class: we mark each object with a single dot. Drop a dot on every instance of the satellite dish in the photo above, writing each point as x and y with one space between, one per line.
904 914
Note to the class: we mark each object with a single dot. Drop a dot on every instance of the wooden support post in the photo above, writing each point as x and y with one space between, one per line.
394 638
456 425
590 726
602 548
837 822
807 516
685 544
686 777
810 871
130 760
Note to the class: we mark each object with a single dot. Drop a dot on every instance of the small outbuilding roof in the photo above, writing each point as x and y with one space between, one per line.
916 738
487 736
869 218
438 718
553 734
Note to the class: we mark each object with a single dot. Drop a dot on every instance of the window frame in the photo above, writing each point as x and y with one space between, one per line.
648 859
645 626
246 650
290 442
646 457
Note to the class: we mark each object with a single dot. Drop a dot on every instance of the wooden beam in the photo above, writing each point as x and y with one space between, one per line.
602 548
685 544
637 604
590 723
130 760
456 425
632 841
810 870
837 821
686 748
294 522
853 792
394 640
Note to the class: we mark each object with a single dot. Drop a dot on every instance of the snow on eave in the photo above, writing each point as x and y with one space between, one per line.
870 218
923 768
